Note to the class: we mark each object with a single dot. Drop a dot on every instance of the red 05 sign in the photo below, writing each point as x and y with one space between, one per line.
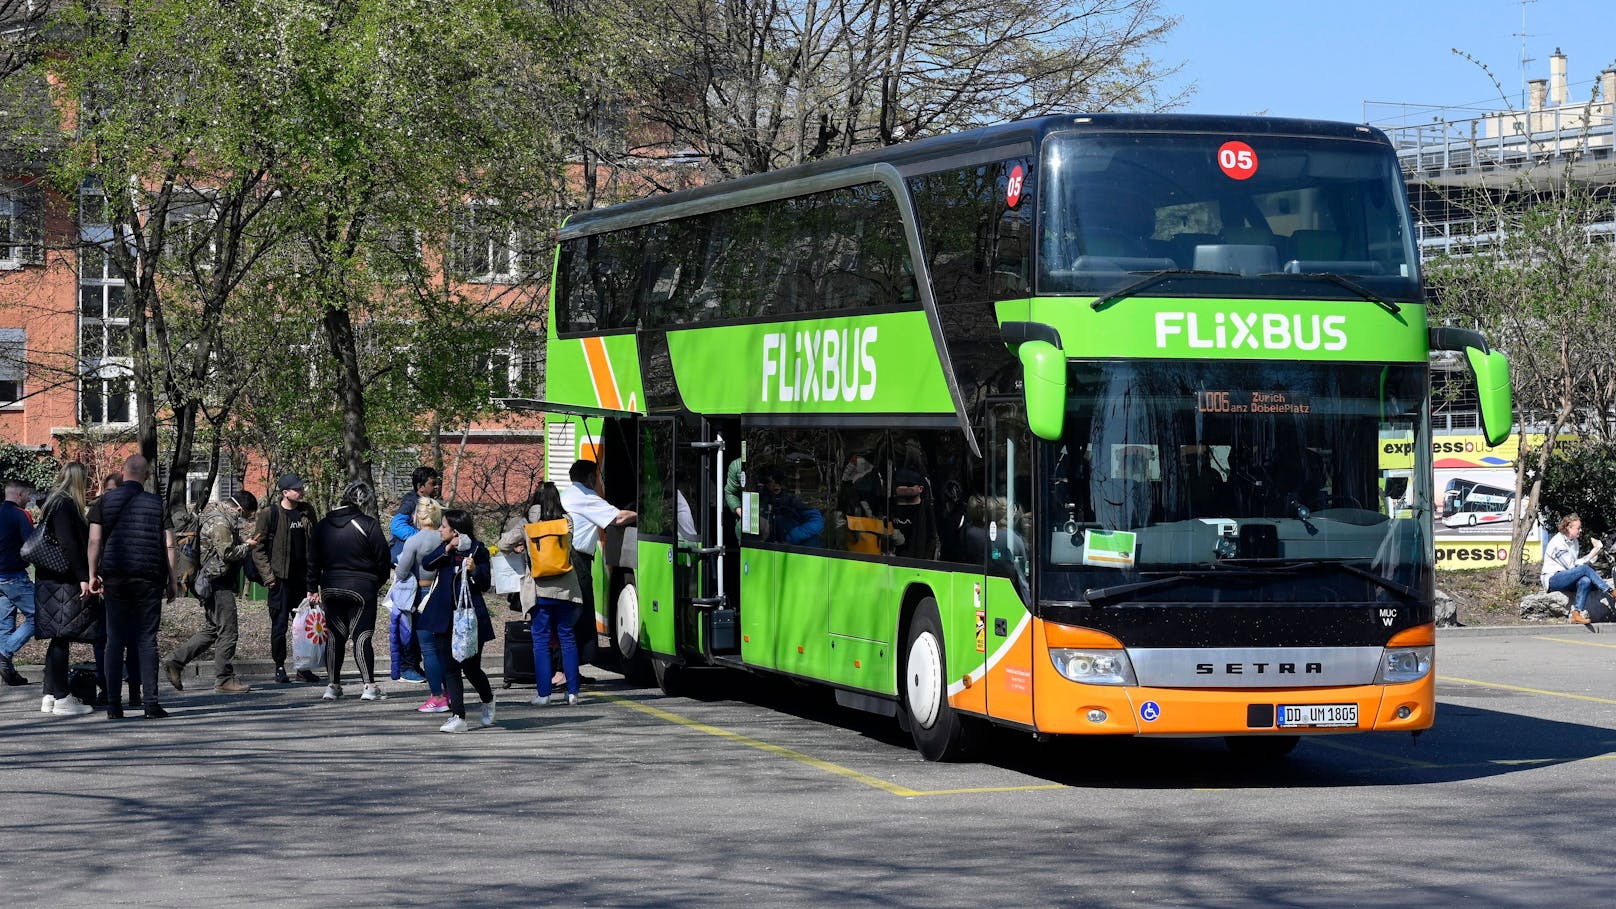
1237 160
1013 185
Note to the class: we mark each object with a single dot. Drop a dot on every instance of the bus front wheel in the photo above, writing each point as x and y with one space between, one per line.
631 659
939 731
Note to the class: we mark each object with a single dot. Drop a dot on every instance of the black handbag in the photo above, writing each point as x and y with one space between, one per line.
43 550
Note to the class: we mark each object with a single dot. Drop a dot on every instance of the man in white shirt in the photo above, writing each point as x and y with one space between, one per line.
590 515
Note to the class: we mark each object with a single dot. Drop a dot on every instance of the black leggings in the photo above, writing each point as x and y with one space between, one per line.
56 665
472 669
350 616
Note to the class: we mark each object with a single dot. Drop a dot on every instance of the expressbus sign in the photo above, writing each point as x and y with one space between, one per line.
1461 554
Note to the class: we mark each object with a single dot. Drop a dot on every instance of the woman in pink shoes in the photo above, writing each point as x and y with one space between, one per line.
428 516
462 566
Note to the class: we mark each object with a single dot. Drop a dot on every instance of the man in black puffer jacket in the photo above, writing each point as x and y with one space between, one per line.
348 562
132 565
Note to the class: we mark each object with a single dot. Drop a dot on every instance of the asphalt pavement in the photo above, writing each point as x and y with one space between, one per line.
756 792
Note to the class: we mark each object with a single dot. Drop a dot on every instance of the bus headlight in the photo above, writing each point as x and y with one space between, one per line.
1404 664
1093 667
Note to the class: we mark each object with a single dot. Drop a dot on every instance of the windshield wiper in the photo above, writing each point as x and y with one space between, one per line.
1245 569
1098 596
1340 281
1308 565
1154 277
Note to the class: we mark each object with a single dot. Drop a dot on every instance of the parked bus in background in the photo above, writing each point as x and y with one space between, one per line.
1072 425
1467 503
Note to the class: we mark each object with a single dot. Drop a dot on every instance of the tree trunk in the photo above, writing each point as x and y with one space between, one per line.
180 467
339 334
451 485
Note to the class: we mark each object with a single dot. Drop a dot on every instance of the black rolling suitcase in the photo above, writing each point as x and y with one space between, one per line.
519 654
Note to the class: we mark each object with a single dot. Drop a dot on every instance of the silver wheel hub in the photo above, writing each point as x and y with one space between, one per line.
923 679
627 631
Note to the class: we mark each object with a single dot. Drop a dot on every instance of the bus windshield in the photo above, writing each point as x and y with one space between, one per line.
1300 482
1119 205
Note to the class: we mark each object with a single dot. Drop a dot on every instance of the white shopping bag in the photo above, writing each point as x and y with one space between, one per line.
508 569
308 636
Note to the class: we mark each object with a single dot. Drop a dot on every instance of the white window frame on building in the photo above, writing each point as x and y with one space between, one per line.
21 226
107 388
13 367
503 256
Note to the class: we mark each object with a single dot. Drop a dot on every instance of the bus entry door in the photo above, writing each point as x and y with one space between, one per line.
705 610
1006 638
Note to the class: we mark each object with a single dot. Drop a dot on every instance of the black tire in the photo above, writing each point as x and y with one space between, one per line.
1262 747
940 733
669 676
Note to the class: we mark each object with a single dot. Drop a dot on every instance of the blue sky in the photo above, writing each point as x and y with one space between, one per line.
1307 58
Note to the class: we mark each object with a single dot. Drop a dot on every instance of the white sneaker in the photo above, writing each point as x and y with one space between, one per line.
373 693
70 706
542 700
455 724
46 703
487 718
332 692
574 700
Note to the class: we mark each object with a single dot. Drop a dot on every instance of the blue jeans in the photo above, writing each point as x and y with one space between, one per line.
548 614
434 658
16 598
1584 579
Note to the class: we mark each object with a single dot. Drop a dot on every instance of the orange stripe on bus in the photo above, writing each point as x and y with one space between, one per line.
600 372
1418 636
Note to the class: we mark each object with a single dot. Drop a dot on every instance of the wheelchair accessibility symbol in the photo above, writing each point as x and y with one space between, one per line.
1149 711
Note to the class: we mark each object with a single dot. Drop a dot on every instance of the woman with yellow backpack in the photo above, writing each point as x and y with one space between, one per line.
557 594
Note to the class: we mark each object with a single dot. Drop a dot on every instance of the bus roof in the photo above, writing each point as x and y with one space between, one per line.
953 144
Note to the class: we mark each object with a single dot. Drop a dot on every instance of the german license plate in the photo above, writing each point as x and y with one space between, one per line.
1317 715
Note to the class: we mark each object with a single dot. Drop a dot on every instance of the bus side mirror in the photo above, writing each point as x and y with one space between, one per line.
1490 369
1044 384
1492 390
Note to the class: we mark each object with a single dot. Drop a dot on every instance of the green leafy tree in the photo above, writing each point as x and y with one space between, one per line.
1541 284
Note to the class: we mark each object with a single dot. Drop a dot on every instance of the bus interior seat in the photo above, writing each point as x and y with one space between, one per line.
1316 244
1183 246
1248 235
1238 258
1112 243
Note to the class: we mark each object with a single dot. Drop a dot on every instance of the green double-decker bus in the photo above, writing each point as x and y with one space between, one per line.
1079 425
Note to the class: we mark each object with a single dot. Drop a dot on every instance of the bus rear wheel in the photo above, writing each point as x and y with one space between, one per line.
1262 747
670 676
940 733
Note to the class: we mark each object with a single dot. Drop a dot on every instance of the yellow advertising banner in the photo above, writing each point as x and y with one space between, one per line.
1458 555
1455 452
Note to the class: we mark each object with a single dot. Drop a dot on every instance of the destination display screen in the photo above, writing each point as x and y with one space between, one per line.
1252 402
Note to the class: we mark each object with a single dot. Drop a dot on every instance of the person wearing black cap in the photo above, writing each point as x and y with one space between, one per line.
282 558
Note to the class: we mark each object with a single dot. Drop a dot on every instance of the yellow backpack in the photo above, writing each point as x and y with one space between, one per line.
549 548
